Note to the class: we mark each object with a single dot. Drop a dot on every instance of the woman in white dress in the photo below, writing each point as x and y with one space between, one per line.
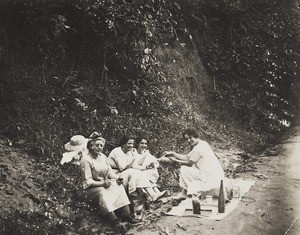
146 162
122 160
200 167
100 185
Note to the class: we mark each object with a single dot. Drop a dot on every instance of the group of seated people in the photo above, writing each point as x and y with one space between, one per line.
130 169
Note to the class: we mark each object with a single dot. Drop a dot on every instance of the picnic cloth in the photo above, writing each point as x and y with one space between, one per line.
210 209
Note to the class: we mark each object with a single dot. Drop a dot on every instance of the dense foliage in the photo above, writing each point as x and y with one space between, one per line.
66 65
74 60
251 48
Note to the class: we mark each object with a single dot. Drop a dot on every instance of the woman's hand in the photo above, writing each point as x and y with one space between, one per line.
164 160
120 181
167 154
107 184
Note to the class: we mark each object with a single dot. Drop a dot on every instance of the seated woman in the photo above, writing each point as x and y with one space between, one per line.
146 162
100 185
201 170
122 161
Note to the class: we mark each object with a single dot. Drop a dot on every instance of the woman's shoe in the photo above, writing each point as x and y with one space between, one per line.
134 194
119 226
158 195
131 220
116 223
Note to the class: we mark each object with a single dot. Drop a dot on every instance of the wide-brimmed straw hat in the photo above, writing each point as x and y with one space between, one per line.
77 142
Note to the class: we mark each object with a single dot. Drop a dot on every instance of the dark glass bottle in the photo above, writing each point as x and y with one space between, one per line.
221 200
196 205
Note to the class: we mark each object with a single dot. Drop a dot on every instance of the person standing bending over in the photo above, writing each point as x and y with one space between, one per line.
200 165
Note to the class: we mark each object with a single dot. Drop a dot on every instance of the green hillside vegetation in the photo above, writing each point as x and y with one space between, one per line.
226 67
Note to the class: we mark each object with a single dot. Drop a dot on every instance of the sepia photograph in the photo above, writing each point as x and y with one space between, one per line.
149 117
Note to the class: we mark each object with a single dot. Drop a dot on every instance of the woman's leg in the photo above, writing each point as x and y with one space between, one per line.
156 189
150 191
125 214
125 210
111 217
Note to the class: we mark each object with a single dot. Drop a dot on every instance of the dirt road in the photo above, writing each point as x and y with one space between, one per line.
272 206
